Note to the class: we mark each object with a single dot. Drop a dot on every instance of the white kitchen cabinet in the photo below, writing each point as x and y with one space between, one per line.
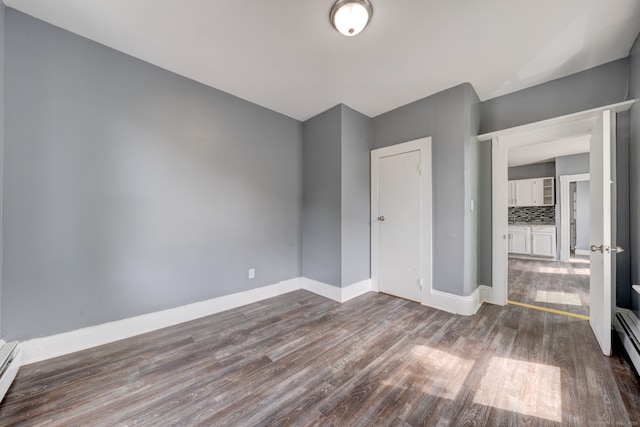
537 240
511 197
531 192
548 192
537 192
543 241
524 190
519 240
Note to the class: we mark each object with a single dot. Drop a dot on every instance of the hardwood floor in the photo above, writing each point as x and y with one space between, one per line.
551 284
300 359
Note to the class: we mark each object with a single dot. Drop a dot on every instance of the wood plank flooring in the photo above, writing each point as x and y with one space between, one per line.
551 284
300 359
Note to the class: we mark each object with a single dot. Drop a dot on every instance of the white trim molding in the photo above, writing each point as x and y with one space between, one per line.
565 202
323 289
456 304
558 128
38 349
463 305
335 293
355 290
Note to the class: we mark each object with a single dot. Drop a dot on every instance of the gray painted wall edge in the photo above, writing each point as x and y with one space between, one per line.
356 196
322 197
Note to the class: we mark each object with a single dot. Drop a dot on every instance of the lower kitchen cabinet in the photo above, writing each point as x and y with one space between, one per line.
543 241
519 240
539 240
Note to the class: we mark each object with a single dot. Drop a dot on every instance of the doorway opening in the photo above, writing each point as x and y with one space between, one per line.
600 125
540 275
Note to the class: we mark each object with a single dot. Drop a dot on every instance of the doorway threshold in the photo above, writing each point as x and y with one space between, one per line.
549 310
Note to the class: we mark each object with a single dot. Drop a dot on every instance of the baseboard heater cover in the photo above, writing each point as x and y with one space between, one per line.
627 325
10 359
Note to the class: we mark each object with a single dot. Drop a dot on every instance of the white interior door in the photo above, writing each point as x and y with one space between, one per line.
398 222
601 229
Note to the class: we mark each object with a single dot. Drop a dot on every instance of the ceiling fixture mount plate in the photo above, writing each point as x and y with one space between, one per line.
350 17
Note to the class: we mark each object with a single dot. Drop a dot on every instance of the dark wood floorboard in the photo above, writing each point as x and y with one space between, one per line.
300 359
551 284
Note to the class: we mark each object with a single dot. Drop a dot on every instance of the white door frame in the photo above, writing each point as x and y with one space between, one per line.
424 146
565 232
547 130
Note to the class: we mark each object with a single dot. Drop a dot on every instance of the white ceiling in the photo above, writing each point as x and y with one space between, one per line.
284 54
549 150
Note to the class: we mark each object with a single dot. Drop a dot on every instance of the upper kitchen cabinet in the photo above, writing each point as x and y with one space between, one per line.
532 192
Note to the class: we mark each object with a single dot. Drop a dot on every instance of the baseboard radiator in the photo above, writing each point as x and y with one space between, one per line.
10 358
627 325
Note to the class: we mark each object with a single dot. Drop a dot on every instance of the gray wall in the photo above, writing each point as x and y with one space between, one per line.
472 190
356 196
484 216
129 189
538 170
336 206
567 165
321 211
623 260
571 165
442 116
2 31
603 85
582 215
634 173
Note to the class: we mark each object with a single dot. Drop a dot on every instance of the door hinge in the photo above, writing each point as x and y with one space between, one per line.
419 169
420 283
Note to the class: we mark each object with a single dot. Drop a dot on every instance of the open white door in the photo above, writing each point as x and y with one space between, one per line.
602 228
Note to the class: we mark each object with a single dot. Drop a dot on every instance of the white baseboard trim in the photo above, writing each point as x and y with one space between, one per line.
456 304
335 293
322 289
583 252
486 295
39 349
355 290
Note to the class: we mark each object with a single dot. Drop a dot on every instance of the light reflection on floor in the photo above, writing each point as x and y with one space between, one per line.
553 297
527 388
443 374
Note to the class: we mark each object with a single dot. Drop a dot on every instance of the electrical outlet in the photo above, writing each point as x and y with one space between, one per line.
252 273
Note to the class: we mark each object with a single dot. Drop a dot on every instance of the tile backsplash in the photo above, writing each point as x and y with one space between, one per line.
533 215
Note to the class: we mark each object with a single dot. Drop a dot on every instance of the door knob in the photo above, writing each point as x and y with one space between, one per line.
381 218
606 249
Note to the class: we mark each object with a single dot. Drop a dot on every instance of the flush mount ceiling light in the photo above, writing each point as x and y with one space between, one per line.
350 17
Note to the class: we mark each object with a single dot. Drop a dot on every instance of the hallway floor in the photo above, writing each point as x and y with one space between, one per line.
551 284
